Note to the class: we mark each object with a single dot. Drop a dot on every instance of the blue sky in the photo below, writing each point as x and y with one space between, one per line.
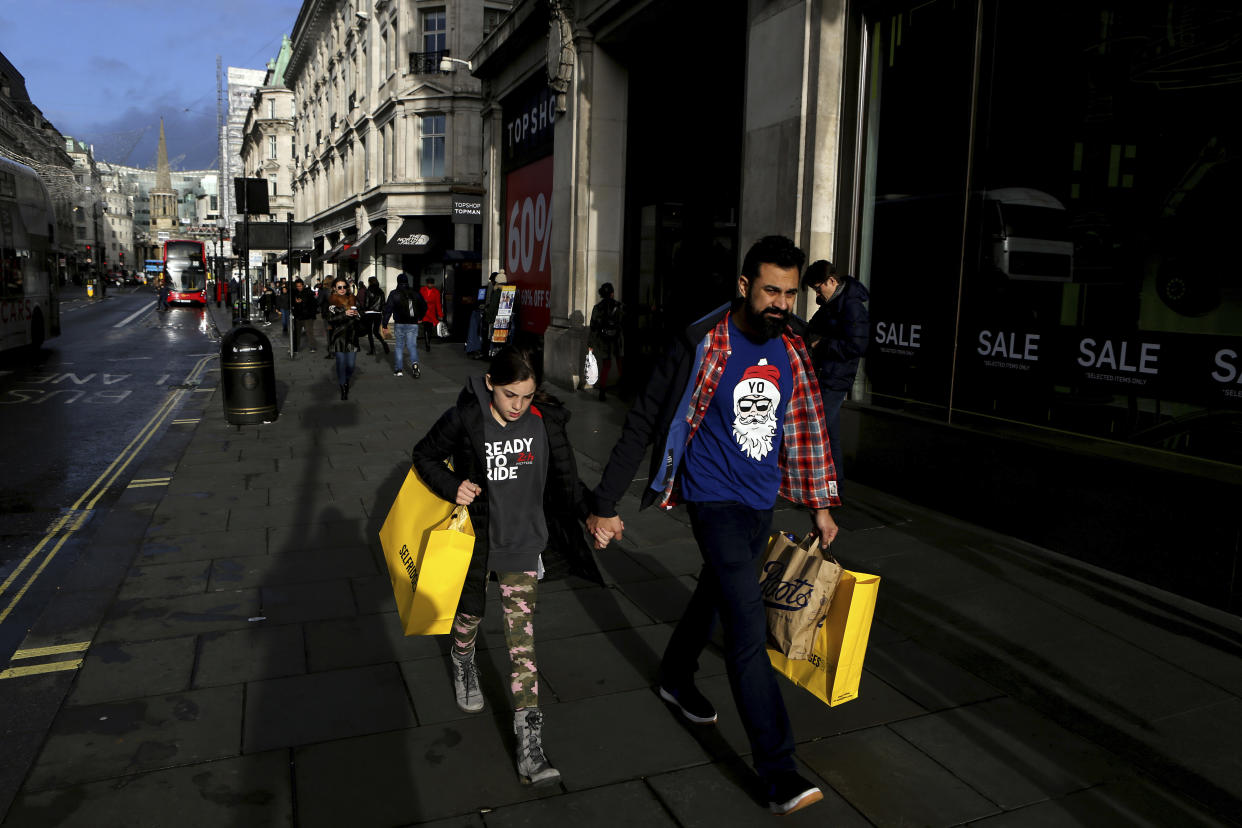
106 71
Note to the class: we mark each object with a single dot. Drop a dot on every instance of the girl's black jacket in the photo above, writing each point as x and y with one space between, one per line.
458 436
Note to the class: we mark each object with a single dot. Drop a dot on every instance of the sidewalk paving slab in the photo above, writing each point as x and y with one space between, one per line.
100 741
244 791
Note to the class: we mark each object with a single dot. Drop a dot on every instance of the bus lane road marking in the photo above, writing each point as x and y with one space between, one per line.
76 515
133 316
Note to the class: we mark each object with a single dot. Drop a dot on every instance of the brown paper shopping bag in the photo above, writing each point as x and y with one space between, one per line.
797 583
834 668
427 545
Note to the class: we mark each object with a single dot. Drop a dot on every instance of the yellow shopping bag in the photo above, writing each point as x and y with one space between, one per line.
834 667
427 544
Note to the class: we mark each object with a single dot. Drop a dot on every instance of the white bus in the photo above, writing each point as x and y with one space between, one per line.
29 301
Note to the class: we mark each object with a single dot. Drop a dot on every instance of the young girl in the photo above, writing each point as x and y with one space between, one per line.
510 458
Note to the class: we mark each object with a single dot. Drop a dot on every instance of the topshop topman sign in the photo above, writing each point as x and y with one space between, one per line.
467 209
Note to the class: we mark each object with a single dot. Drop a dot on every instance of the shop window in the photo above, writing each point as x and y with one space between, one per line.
1042 249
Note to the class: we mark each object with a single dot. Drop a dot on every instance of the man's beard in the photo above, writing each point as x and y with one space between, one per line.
768 324
755 438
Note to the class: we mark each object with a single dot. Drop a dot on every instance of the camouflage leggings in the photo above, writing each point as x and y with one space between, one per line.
517 599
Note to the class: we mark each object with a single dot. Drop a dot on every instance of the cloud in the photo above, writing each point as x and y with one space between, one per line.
132 137
99 64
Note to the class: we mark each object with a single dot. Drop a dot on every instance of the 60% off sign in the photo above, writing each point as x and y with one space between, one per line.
530 224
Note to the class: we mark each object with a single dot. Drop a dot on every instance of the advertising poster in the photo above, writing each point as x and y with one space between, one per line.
504 315
528 241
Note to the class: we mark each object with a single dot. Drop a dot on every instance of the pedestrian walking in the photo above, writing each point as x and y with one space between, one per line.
163 291
282 301
475 335
267 304
838 336
435 311
753 428
343 321
604 339
406 307
304 312
512 463
323 293
372 312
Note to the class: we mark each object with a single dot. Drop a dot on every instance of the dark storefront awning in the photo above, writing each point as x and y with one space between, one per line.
331 255
357 243
463 256
412 238
297 254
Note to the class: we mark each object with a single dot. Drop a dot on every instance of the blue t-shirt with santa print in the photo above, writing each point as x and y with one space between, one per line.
734 454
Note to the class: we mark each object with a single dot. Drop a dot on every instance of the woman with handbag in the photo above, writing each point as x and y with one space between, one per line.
341 314
605 337
511 461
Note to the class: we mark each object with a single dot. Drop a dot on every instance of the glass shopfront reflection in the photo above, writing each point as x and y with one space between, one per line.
1047 199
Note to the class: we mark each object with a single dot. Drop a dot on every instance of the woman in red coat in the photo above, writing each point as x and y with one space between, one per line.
435 311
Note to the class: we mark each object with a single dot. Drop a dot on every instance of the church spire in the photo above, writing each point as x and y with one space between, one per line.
163 178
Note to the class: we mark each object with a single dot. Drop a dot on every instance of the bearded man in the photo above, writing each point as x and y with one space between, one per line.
728 454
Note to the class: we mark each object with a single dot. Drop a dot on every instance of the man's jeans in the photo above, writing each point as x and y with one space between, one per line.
731 537
407 340
832 415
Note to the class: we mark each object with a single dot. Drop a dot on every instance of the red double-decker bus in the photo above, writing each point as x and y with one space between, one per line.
185 271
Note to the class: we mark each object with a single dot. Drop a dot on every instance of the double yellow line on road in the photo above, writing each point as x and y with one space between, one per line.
76 516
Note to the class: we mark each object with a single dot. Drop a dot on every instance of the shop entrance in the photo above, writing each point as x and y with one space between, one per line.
683 171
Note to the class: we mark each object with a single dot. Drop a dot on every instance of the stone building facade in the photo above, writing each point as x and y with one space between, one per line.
29 138
654 159
267 153
386 142
88 212
241 87
1048 262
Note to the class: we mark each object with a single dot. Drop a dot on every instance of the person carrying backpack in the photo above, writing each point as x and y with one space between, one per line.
406 307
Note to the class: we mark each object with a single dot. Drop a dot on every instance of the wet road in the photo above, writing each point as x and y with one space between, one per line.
72 415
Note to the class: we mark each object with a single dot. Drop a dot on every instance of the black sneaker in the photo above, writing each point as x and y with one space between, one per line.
789 792
415 372
692 704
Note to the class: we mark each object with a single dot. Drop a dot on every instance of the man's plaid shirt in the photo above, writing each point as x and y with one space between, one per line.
808 475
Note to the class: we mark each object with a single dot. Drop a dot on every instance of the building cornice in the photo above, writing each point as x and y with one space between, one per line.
306 30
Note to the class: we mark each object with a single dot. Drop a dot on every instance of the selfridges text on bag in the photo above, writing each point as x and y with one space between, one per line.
797 583
428 543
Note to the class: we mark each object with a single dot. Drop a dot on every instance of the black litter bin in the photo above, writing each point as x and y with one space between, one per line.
247 377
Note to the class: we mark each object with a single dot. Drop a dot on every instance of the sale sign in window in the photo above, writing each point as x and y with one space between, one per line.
528 241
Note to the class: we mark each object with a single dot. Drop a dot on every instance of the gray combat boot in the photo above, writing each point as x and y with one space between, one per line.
466 683
532 766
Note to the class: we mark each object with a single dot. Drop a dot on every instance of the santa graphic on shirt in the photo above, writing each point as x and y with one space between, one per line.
755 399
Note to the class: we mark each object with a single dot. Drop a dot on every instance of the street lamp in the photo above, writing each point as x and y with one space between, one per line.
446 64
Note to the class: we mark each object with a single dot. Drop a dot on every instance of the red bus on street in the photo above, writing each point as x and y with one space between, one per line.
185 271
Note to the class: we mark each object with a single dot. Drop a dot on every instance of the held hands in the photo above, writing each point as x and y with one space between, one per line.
825 526
467 492
605 529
